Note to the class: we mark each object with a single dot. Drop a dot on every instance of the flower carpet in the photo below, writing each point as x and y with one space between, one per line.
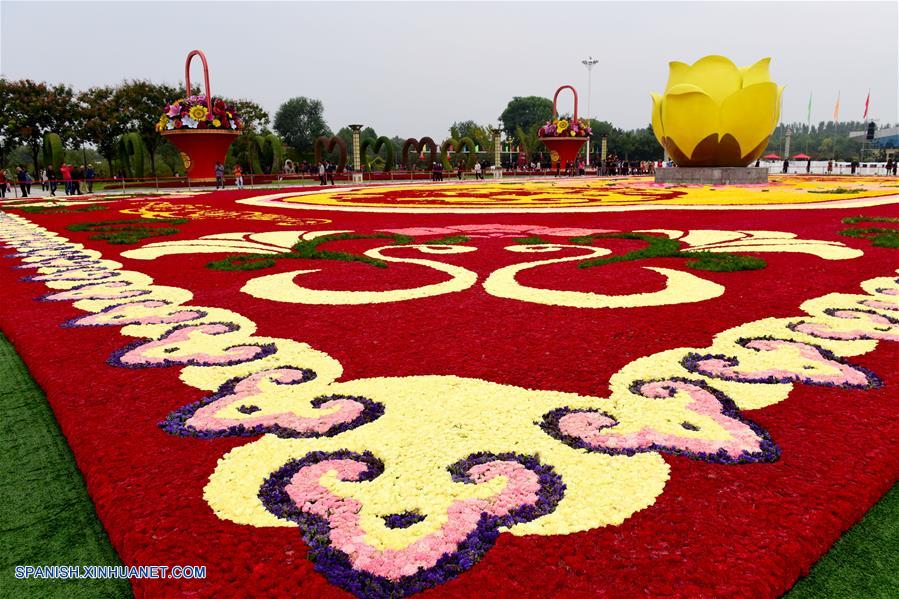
525 389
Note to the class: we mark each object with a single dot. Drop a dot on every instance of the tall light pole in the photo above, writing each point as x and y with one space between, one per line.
589 62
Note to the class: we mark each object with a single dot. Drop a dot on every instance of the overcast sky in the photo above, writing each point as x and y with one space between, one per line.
414 68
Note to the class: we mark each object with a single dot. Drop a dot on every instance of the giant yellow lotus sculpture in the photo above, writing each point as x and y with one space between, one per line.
715 113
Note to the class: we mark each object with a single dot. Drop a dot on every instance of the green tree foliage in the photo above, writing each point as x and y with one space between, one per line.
529 140
31 110
525 112
823 141
637 144
388 162
266 153
300 121
255 118
141 104
131 154
53 152
102 121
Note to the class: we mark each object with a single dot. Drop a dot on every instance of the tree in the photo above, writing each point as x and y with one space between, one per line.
141 103
299 121
102 121
529 140
254 117
525 112
31 110
469 129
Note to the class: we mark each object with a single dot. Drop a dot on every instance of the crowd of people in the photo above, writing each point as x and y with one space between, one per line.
74 179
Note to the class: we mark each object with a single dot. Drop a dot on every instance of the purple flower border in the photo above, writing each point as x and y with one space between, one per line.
73 323
176 422
691 363
116 358
769 451
832 312
336 566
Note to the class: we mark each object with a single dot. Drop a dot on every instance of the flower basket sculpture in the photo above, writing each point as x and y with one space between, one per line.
201 127
714 113
564 138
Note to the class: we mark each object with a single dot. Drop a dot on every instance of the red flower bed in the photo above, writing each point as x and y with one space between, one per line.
741 516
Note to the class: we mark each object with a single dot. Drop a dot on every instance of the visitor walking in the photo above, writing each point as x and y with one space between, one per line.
52 180
89 177
22 180
330 169
808 167
460 166
45 180
66 171
829 166
77 175
321 173
786 166
3 183
219 175
238 176
477 171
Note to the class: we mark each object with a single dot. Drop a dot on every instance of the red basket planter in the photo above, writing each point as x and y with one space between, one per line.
201 149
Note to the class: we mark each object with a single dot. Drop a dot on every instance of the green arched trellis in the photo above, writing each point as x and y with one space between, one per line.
53 152
456 145
376 145
131 154
419 145
327 144
263 145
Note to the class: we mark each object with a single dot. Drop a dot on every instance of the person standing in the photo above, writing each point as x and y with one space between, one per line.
477 171
786 165
3 183
77 175
45 180
238 176
52 177
321 173
330 169
808 167
219 175
460 167
22 180
89 176
829 167
66 171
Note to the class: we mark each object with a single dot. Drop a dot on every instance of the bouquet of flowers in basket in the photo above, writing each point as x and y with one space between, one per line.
193 113
563 127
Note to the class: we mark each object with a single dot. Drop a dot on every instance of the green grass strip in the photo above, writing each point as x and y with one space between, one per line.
46 515
863 563
308 249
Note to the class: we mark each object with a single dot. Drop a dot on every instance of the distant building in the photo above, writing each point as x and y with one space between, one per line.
883 138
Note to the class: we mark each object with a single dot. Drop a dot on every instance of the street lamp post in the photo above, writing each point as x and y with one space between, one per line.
589 62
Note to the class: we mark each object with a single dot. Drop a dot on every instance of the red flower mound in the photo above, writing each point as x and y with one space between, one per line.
523 332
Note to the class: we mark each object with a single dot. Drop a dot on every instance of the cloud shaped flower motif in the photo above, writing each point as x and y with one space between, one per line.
715 113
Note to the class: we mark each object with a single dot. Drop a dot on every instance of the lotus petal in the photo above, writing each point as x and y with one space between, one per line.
749 115
757 73
689 117
657 117
677 73
718 76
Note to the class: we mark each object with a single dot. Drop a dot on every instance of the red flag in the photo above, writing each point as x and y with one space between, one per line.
867 102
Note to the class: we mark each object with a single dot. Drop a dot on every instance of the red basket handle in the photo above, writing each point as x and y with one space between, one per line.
206 79
556 99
